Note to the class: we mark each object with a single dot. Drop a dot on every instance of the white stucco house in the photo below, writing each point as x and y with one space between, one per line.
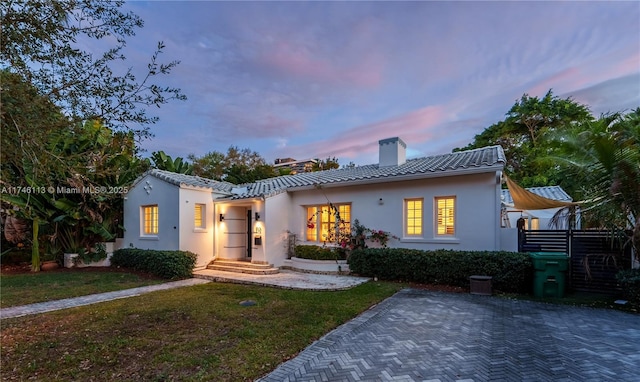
450 201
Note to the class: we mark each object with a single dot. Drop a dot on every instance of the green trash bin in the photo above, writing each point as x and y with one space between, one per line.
549 273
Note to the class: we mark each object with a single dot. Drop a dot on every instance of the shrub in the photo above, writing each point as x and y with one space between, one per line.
315 252
165 264
630 282
511 272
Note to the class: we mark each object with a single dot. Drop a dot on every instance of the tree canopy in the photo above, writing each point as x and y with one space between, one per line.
162 161
524 133
326 164
42 43
67 177
236 166
71 116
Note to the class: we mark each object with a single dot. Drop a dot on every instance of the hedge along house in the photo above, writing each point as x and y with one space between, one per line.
449 201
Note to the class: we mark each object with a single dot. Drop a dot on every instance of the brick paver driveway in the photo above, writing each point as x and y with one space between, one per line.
420 335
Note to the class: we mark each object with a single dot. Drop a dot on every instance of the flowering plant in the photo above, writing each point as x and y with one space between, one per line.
348 237
381 237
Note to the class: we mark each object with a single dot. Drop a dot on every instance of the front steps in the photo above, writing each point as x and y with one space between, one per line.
242 267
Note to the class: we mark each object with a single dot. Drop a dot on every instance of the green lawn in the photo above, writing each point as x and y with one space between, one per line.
198 333
28 288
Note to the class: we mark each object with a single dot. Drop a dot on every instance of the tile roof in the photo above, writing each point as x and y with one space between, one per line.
478 160
549 192
190 180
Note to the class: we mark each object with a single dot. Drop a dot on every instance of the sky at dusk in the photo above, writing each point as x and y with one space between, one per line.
324 79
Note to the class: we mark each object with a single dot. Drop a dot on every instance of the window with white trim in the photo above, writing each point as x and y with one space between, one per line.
445 216
321 222
150 219
199 218
413 217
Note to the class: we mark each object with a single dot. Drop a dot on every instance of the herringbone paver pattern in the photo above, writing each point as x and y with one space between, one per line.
430 336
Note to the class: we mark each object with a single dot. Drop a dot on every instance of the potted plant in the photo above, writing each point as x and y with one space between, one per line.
51 257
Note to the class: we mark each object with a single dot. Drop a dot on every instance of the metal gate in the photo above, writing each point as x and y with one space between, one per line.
595 256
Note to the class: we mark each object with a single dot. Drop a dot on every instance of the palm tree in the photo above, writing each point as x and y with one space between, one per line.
603 158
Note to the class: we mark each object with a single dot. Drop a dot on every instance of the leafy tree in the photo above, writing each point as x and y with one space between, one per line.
284 171
246 156
28 119
41 44
65 177
240 173
523 135
349 165
602 157
326 164
534 117
211 165
79 197
162 161
100 167
236 166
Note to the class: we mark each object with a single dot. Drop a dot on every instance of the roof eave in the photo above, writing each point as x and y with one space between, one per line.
401 178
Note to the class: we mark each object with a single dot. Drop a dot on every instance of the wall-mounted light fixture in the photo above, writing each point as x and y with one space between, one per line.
380 201
257 216
221 217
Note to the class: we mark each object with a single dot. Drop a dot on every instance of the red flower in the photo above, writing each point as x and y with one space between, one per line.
310 225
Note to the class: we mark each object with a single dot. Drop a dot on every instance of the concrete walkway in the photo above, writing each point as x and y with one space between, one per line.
284 279
419 335
42 307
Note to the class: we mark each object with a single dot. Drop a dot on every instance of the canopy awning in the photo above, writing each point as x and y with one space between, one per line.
527 200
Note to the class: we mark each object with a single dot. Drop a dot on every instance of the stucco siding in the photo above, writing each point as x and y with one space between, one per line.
192 238
152 191
381 206
276 218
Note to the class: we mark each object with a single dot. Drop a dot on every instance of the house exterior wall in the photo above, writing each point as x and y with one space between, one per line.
196 240
259 231
509 239
477 211
278 212
166 196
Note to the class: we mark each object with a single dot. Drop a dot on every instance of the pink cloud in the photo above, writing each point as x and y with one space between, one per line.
595 71
570 77
416 127
288 59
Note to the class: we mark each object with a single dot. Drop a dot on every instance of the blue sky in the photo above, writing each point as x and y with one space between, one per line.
318 79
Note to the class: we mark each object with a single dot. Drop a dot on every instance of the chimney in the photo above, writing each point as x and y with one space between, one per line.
393 152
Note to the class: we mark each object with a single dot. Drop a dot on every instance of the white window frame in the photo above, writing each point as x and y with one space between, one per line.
407 215
203 217
317 223
452 217
154 218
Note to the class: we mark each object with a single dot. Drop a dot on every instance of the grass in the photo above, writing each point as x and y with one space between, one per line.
198 333
28 288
